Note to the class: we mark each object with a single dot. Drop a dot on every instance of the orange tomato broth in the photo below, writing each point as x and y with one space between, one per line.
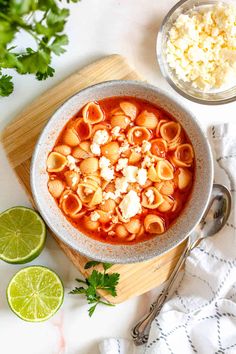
108 105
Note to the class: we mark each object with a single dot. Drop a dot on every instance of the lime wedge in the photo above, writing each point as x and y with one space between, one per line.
35 293
22 235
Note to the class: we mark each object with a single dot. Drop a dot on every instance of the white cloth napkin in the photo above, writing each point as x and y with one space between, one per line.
200 317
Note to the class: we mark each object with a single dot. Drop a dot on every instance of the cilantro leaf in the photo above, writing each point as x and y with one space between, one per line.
43 76
98 281
77 290
91 264
6 85
58 44
34 62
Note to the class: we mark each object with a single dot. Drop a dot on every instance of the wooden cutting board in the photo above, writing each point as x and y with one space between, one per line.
19 139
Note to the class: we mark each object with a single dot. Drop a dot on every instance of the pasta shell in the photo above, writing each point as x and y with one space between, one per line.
152 174
166 205
108 205
79 153
133 226
134 157
121 231
184 178
151 198
170 131
63 149
136 135
70 137
93 179
154 224
165 170
56 162
183 155
129 109
160 123
111 151
85 145
159 147
131 238
89 166
72 179
104 217
86 191
120 217
147 119
166 187
96 198
92 113
56 187
83 128
70 203
89 224
120 121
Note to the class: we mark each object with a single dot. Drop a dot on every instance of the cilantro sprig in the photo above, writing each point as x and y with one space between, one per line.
44 22
97 281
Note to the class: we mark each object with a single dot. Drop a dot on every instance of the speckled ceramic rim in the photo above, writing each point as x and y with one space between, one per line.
185 223
164 72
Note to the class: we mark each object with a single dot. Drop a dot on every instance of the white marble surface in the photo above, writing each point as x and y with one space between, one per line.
96 28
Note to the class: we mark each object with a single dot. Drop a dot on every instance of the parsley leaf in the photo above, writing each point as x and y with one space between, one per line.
6 85
97 281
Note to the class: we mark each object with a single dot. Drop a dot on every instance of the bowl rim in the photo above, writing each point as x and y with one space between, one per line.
46 216
164 72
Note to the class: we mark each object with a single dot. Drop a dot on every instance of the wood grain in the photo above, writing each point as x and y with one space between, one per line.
19 139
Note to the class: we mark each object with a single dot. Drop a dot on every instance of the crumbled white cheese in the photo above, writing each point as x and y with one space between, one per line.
116 131
130 205
95 216
122 163
71 163
147 162
137 149
101 137
104 162
150 195
146 146
130 173
107 173
95 148
124 147
110 195
121 185
198 43
141 176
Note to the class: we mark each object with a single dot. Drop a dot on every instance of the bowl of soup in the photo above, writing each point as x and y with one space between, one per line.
122 172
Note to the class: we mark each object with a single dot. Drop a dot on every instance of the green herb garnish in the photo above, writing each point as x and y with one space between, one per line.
97 281
44 22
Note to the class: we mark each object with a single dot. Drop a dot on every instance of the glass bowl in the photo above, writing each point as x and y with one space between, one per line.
209 97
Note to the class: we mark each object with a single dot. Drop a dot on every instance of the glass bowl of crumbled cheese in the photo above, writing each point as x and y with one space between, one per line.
196 50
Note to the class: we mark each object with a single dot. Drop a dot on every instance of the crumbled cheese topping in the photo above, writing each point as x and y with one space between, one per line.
71 163
130 205
147 162
107 173
150 195
121 185
142 176
115 131
104 162
94 216
124 147
101 137
122 163
95 148
130 173
137 149
146 146
110 195
202 46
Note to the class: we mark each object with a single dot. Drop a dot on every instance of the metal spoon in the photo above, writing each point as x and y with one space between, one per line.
213 220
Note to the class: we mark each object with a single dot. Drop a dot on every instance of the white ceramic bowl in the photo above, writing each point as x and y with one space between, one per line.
104 252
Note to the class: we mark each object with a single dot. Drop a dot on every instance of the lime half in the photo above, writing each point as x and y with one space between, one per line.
22 235
35 293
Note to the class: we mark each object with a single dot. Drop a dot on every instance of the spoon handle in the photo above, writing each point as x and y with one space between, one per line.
140 331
